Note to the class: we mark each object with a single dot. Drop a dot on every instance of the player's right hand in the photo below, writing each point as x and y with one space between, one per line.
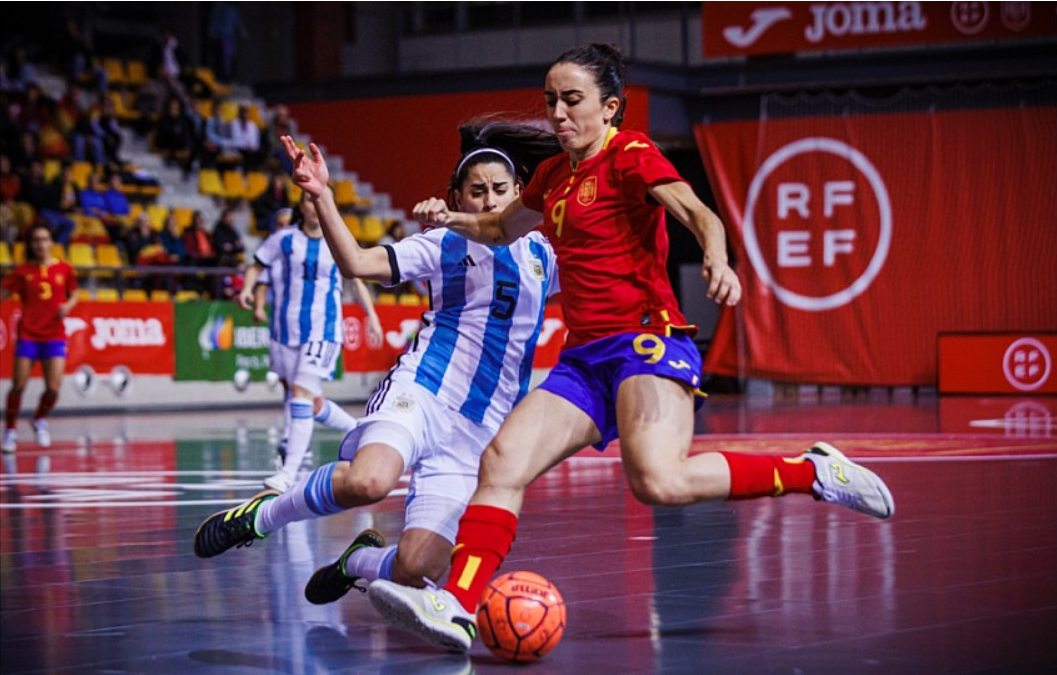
432 212
246 299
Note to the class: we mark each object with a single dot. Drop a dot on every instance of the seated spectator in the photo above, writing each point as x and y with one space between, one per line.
269 203
60 202
116 200
198 243
91 199
227 242
216 141
167 63
174 136
144 245
10 183
105 125
281 125
246 138
77 108
21 74
172 241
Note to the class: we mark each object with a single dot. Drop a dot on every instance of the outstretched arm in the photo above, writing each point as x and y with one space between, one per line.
680 200
312 176
374 326
490 229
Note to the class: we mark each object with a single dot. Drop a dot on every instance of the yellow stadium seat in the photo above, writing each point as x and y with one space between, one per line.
352 222
18 252
386 299
234 185
134 209
5 254
344 193
157 213
59 251
184 215
134 295
81 171
293 192
207 76
107 295
122 109
373 229
83 294
108 255
204 106
209 183
82 255
229 110
409 299
137 73
52 169
115 72
186 296
255 115
256 184
89 230
24 213
160 295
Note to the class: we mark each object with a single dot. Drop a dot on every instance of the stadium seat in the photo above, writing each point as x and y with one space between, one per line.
256 184
107 295
18 252
386 299
122 109
134 295
115 72
207 76
59 251
5 254
229 110
137 73
234 185
255 115
160 295
184 215
81 171
409 300
52 169
83 294
81 255
373 229
89 230
209 183
293 192
344 193
24 213
186 296
109 255
157 213
352 222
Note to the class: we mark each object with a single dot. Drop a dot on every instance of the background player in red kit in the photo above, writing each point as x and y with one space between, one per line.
629 367
46 286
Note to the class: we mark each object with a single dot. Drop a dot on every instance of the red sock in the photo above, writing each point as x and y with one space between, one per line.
14 404
47 402
486 534
753 476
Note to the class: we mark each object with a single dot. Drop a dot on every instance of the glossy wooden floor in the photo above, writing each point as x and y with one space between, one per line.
98 575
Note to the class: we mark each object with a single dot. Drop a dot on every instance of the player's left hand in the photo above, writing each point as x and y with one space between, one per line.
374 332
723 285
311 175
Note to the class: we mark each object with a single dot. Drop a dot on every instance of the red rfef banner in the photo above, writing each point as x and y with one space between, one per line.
746 28
1010 363
138 335
401 323
861 238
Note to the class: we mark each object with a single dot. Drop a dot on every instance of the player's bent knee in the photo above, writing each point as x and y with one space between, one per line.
359 489
657 490
502 466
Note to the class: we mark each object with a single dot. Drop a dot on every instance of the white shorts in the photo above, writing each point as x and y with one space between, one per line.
307 366
440 447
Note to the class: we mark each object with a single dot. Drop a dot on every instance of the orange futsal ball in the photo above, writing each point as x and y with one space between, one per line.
521 616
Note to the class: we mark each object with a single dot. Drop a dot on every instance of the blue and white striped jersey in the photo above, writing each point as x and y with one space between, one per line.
306 287
477 341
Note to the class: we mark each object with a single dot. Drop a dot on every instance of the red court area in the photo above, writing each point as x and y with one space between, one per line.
97 572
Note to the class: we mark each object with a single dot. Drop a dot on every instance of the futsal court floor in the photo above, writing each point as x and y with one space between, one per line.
98 573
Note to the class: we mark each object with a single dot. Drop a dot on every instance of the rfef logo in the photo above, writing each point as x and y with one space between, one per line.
1027 364
818 223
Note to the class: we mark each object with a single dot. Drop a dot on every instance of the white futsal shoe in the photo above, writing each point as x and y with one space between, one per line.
841 481
40 430
432 614
281 481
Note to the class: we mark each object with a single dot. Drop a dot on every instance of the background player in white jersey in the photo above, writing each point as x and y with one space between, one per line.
326 412
445 398
307 329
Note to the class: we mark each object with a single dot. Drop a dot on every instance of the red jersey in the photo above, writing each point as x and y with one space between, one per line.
42 289
610 238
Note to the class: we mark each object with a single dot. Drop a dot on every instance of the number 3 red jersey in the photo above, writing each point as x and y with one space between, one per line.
42 289
610 238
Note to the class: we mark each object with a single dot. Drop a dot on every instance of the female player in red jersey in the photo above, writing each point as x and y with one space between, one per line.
46 286
629 368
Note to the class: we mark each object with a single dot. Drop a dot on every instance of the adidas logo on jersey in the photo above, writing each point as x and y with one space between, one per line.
467 262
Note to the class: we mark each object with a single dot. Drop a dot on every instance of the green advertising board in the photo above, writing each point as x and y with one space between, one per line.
215 339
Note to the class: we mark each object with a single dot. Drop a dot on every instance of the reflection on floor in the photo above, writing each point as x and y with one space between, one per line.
98 574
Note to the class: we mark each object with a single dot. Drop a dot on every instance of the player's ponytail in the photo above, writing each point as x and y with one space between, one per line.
606 64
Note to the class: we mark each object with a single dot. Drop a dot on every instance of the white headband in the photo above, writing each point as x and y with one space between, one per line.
478 151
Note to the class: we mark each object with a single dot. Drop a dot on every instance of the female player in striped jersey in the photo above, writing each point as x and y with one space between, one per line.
255 294
438 408
629 367
307 330
46 287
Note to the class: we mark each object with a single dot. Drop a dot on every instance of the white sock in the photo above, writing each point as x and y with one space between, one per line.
286 416
300 434
332 415
311 497
371 563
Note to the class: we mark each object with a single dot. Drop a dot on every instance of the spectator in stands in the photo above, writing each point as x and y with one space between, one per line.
227 242
36 111
198 243
167 62
246 138
61 204
172 241
141 236
216 140
105 125
91 199
20 72
117 205
281 125
35 190
26 152
10 183
393 233
225 28
269 203
78 107
76 55
174 136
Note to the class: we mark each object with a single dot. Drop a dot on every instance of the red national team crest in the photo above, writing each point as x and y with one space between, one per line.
588 191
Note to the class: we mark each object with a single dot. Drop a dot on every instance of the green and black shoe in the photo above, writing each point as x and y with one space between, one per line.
330 582
231 528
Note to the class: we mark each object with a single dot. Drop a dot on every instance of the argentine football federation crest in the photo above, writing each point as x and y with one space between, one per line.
588 191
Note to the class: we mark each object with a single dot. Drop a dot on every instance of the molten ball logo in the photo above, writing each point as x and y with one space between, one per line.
818 223
1027 364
